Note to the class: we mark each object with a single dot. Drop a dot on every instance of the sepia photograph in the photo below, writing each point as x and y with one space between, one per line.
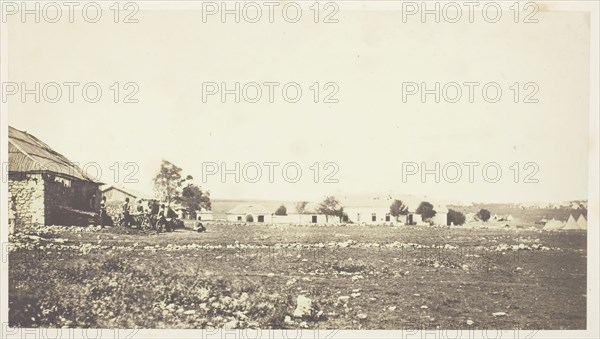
299 169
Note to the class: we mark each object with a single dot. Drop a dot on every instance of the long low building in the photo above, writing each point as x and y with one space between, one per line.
375 210
248 213
255 213
117 193
364 211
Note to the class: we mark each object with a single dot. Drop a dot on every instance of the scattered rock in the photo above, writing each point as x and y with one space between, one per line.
392 308
470 322
499 314
230 325
344 298
271 275
424 307
361 316
303 308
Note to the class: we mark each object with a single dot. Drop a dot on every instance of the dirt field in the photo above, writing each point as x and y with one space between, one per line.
356 277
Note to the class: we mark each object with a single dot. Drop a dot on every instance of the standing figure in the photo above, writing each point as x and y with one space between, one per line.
103 217
126 215
162 219
140 207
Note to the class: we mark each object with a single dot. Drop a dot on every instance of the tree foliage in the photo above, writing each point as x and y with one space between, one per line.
331 207
456 217
301 206
426 210
167 182
171 186
281 210
397 208
483 215
194 199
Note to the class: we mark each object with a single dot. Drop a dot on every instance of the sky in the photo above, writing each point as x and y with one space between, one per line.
371 141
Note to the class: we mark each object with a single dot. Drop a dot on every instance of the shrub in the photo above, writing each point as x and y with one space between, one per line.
484 214
281 210
456 217
426 210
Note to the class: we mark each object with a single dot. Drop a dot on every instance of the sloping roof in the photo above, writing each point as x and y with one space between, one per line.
248 209
374 201
384 201
128 191
27 154
310 208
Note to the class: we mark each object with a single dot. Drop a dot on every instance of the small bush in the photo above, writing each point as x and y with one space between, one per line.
456 217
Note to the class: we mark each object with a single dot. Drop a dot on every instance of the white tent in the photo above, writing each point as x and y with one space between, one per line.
554 225
510 217
571 224
582 222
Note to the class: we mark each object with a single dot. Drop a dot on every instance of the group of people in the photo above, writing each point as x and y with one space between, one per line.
158 213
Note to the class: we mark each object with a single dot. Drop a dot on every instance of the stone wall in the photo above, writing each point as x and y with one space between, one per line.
27 192
49 199
70 202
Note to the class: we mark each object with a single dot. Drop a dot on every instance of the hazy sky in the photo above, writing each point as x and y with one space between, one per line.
369 133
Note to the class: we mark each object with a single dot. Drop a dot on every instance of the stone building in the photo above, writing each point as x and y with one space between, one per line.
45 187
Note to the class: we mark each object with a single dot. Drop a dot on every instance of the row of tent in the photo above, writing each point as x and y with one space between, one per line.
473 217
571 224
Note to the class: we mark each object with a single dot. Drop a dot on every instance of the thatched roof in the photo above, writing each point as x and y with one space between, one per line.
28 154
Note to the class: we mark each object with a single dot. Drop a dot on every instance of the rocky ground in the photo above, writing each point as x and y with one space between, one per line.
342 277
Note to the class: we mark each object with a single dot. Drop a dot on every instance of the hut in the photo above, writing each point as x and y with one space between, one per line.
45 187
